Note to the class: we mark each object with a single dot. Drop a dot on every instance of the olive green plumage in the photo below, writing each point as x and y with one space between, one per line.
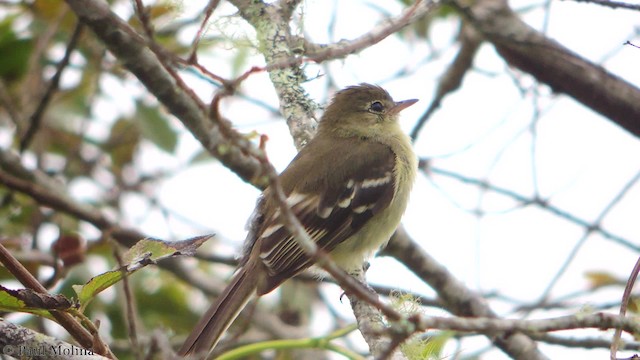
348 187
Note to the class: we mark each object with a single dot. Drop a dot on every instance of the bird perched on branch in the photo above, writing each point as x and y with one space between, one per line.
348 187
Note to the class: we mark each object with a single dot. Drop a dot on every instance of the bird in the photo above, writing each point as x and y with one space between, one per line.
348 187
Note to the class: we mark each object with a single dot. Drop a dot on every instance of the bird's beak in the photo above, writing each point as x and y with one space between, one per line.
401 105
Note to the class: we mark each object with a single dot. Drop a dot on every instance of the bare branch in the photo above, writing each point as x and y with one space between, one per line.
36 118
553 64
457 298
65 320
587 231
371 324
539 202
451 80
273 34
208 11
632 44
626 297
46 191
612 4
489 326
23 343
132 50
130 304
583 342
321 53
143 16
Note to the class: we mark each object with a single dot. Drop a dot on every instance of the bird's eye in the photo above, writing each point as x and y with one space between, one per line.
377 107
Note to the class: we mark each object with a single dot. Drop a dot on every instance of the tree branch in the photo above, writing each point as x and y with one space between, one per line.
321 53
539 202
47 192
551 63
457 298
132 50
492 325
79 333
271 23
612 4
36 118
23 343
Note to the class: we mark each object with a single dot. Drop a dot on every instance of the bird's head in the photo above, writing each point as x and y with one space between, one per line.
356 110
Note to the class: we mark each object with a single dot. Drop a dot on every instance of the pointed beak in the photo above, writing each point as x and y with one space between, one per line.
401 105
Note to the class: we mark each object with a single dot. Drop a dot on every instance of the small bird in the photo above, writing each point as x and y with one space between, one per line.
348 187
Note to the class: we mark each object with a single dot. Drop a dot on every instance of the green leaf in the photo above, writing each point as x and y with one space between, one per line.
143 253
14 51
154 249
96 285
154 126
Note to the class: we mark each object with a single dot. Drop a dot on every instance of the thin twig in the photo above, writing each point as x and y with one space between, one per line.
451 80
456 297
623 307
36 118
208 11
143 16
343 48
587 231
43 189
321 53
130 305
540 202
632 44
612 4
155 70
582 343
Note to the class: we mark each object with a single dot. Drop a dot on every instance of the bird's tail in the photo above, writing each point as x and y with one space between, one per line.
221 313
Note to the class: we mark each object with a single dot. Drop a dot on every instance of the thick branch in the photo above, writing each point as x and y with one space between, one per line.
67 321
23 343
271 22
372 326
553 64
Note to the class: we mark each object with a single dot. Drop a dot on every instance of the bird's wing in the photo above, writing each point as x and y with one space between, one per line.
330 211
